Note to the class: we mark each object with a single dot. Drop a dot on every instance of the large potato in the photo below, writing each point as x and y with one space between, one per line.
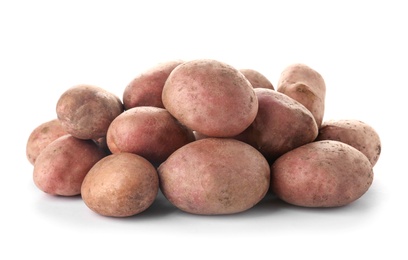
120 185
42 136
63 164
305 85
210 97
86 111
150 132
256 78
356 133
146 88
215 176
321 174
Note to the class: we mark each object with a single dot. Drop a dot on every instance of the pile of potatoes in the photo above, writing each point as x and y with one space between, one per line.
212 138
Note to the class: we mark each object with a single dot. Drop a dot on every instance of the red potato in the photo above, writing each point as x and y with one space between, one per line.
210 97
63 164
146 88
42 136
305 85
257 79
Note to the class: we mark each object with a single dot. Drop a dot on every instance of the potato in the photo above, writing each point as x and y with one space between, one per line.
62 165
353 132
210 97
150 132
321 174
86 111
305 85
120 185
281 125
215 176
42 136
257 79
146 88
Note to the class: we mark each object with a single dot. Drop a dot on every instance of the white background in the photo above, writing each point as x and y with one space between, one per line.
360 48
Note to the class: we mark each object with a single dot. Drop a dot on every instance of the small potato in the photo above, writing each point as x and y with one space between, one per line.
257 79
150 132
321 174
86 111
215 176
120 185
210 97
62 165
42 136
305 85
281 125
146 89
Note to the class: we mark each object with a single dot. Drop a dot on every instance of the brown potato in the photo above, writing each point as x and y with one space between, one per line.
42 136
281 125
215 176
86 111
210 97
146 88
150 132
356 133
257 79
62 165
321 174
305 85
120 185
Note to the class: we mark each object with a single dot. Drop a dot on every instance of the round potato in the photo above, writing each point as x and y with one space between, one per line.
210 97
215 176
356 133
86 111
321 174
62 165
146 89
120 185
150 132
42 136
257 79
305 85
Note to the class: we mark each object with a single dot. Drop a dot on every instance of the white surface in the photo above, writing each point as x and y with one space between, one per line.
360 48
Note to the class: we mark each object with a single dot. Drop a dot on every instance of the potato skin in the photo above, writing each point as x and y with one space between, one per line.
356 133
146 88
321 174
210 97
150 132
305 85
41 136
257 79
120 185
86 111
63 164
214 176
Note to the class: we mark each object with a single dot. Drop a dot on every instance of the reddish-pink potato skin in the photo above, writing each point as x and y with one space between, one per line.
64 163
210 97
146 88
321 174
86 111
215 176
356 133
42 136
120 185
257 79
305 85
150 132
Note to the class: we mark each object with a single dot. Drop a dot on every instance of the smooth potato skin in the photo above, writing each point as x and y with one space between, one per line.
120 185
86 111
257 79
210 97
42 136
215 176
305 85
64 163
146 88
356 133
321 174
